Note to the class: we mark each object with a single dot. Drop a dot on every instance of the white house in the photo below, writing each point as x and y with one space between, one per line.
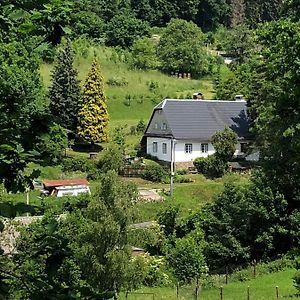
181 130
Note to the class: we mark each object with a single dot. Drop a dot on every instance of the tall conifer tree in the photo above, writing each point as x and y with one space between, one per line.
93 115
64 93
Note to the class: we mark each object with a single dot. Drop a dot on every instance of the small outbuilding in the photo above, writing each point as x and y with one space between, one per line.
65 187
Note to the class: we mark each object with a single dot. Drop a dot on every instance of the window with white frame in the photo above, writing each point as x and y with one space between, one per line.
188 148
154 144
164 148
155 126
204 148
164 126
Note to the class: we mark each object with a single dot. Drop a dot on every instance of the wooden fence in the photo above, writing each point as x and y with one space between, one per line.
130 171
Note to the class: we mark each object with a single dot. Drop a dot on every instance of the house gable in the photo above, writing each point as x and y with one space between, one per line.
158 124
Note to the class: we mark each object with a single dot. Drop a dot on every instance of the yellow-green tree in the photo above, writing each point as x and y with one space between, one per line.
93 115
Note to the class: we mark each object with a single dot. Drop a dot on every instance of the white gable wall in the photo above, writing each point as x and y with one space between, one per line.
159 154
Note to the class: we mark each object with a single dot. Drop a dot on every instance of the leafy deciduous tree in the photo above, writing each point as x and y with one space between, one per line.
124 28
181 49
187 260
224 143
246 223
53 144
144 54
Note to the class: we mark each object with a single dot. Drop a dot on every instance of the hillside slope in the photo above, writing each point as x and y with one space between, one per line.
141 90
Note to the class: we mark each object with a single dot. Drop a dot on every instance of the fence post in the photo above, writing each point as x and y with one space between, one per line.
248 293
126 295
277 292
226 271
254 268
221 292
177 290
197 289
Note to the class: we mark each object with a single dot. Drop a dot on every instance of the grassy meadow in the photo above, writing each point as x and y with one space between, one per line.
260 288
145 88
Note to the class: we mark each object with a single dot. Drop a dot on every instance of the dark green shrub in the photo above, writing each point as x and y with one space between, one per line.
296 280
187 260
182 171
153 85
141 126
211 166
117 81
296 277
156 272
52 145
155 173
111 159
71 164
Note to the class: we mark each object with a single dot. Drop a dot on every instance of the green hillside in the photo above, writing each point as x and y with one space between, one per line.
144 88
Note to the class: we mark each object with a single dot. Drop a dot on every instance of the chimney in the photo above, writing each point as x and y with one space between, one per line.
239 97
198 96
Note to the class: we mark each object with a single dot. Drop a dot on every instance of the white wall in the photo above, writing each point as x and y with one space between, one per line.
159 154
181 156
179 149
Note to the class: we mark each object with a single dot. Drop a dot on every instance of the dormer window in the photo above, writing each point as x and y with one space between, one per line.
164 126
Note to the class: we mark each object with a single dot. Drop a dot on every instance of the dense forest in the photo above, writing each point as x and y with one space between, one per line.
87 253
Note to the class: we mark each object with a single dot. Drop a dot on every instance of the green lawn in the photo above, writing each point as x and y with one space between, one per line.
189 196
261 288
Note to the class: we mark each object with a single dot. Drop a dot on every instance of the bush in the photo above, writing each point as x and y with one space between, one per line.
182 171
211 166
153 85
156 274
141 126
182 179
296 280
144 54
187 260
111 159
81 164
117 81
133 130
155 173
296 277
53 144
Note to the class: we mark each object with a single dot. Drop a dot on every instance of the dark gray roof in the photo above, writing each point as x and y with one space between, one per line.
200 119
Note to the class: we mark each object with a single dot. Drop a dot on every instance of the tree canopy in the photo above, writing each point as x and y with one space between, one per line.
181 49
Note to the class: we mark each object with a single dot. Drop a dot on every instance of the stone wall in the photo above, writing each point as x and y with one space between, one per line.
184 165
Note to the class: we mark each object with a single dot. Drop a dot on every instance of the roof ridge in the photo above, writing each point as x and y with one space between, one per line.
204 100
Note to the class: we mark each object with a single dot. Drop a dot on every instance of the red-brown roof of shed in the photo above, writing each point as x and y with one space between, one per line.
65 182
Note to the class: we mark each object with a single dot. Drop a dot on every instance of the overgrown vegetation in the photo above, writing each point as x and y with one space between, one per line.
216 165
87 253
